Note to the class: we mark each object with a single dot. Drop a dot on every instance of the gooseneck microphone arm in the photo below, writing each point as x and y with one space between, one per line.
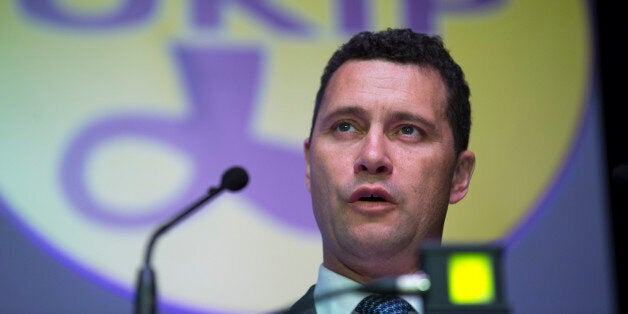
233 179
411 284
174 220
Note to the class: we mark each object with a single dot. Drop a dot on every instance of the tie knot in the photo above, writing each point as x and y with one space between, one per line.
383 304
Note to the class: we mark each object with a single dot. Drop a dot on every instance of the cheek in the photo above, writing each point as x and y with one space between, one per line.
427 208
428 181
434 166
331 165
321 177
330 176
323 200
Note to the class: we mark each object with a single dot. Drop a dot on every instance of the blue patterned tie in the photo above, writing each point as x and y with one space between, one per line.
383 304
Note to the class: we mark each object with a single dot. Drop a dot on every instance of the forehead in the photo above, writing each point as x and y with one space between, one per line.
380 84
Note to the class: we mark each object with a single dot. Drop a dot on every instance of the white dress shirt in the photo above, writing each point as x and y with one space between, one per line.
328 281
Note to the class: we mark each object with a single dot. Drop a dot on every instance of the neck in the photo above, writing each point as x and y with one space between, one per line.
364 270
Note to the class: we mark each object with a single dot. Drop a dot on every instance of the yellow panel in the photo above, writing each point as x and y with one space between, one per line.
470 279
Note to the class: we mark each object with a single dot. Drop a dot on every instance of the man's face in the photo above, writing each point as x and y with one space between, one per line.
381 166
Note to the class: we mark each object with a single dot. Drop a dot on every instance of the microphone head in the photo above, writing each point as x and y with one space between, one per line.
234 179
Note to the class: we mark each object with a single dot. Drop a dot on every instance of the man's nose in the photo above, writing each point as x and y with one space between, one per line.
374 155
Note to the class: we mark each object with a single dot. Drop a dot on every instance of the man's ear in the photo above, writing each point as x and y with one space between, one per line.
462 176
306 152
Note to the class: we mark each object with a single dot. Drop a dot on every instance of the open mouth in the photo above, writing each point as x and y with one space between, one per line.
371 194
372 198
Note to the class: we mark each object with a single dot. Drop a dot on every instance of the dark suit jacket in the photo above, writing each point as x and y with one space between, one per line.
305 305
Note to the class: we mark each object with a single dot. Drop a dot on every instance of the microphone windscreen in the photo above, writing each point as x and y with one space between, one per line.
235 179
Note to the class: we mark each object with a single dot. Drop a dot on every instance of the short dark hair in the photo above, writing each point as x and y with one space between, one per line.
405 46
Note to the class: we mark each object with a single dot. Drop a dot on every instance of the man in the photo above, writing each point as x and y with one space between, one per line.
387 153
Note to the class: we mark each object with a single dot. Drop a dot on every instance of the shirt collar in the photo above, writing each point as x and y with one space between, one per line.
329 281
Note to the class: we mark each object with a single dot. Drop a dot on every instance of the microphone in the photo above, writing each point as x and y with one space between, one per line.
234 179
410 284
415 284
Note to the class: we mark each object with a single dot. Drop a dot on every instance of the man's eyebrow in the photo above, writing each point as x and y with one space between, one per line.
344 111
407 116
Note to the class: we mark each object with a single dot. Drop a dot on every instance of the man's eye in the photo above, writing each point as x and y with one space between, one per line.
408 130
345 127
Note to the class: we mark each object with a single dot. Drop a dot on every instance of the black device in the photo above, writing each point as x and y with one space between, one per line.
465 278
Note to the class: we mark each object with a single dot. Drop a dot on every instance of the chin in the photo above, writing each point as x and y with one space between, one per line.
378 243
